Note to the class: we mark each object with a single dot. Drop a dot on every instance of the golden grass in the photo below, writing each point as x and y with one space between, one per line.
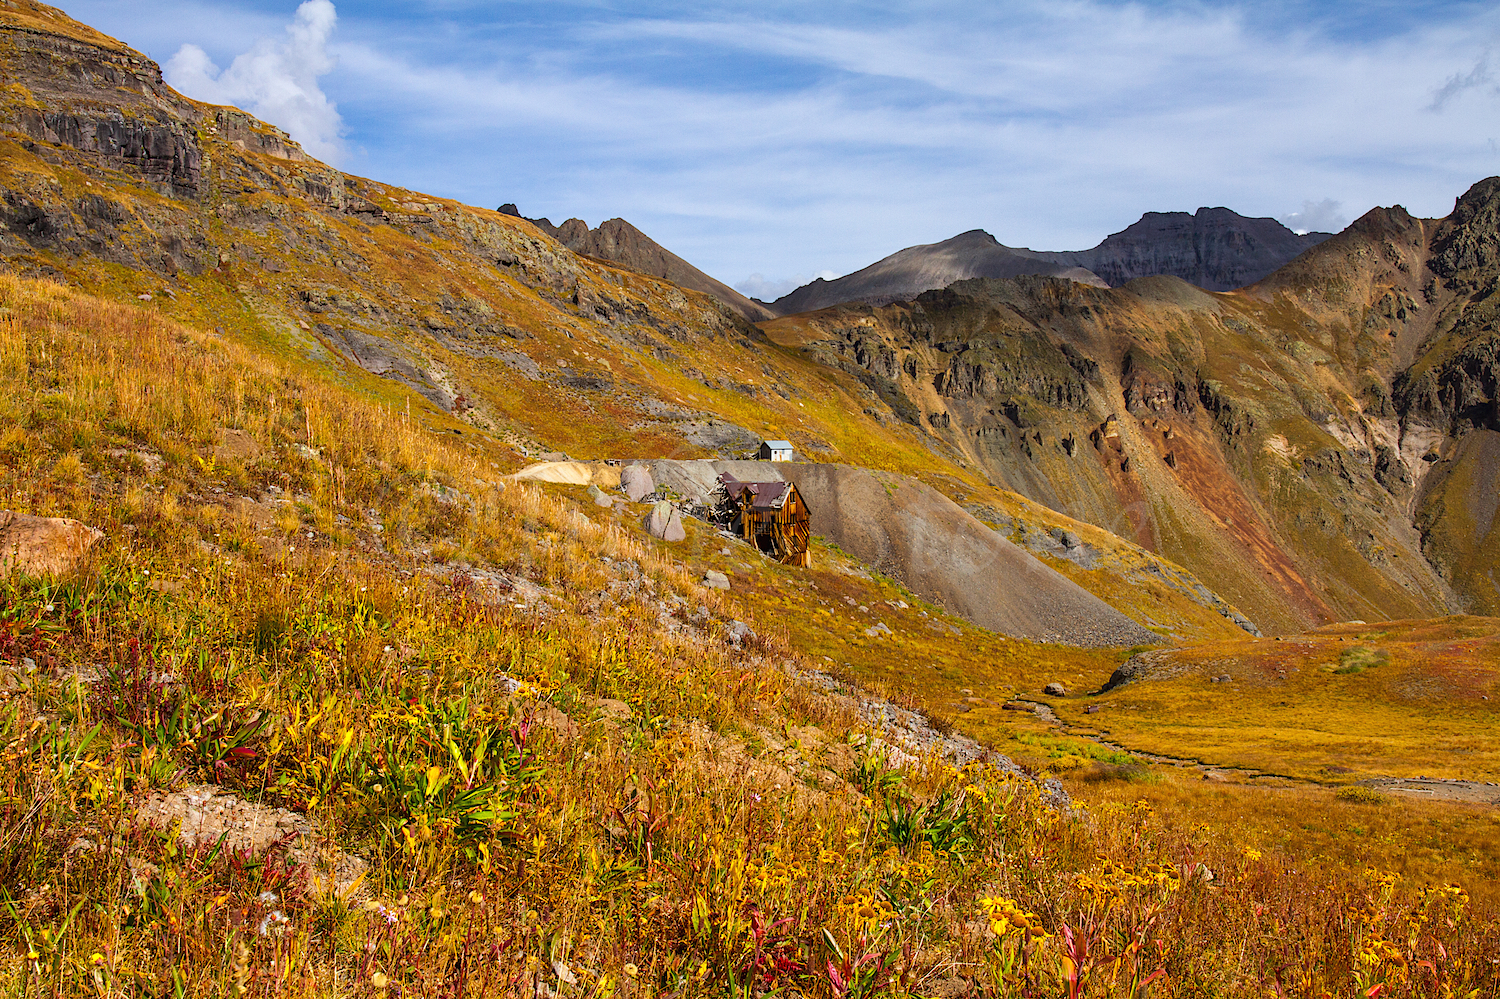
1305 827
1403 698
729 836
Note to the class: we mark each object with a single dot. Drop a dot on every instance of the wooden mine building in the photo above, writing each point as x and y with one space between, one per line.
772 516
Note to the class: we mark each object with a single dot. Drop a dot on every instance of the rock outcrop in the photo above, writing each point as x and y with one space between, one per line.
205 816
43 545
619 242
665 522
636 482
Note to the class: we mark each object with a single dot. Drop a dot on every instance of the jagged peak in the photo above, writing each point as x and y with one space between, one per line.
1469 239
1484 194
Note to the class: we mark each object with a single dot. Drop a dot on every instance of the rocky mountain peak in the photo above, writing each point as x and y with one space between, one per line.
1470 238
617 241
1213 248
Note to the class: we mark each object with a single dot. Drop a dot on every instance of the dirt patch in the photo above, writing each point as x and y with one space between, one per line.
236 445
1434 789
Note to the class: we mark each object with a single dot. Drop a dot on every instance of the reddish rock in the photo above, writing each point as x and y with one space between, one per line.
43 545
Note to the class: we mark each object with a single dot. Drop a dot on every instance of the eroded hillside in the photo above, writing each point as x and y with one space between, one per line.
1316 447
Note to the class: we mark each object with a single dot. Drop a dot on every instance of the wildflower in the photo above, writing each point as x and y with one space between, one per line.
379 980
96 958
631 970
273 923
1251 853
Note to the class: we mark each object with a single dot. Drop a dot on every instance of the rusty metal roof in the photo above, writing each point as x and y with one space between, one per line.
763 495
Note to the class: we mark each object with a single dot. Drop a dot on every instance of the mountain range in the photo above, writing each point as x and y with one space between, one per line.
1215 249
1315 446
619 242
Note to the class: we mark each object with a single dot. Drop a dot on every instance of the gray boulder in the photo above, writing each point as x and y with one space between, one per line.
665 522
1055 689
597 495
636 483
716 580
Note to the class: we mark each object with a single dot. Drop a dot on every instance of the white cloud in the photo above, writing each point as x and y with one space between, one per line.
769 289
276 80
1316 216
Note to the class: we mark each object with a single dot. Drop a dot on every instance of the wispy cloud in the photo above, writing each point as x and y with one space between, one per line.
277 80
1460 82
770 289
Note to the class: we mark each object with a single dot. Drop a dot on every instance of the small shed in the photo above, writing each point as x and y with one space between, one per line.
772 516
774 451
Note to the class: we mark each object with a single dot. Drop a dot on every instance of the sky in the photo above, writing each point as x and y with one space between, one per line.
771 142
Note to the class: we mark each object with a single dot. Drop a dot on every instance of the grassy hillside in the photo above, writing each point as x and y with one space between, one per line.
531 726
506 337
336 707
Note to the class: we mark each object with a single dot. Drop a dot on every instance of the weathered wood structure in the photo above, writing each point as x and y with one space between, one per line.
772 516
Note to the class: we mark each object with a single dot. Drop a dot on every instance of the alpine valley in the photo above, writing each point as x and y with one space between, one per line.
368 623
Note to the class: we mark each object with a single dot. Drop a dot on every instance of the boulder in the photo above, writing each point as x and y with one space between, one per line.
597 495
568 473
716 580
43 545
1055 689
636 482
665 522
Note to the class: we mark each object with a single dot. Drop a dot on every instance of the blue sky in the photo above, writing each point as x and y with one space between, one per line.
769 142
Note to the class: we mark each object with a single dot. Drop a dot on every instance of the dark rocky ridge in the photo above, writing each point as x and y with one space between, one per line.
1215 249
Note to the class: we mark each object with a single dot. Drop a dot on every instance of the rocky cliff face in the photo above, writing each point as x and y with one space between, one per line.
1214 248
1318 445
622 243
